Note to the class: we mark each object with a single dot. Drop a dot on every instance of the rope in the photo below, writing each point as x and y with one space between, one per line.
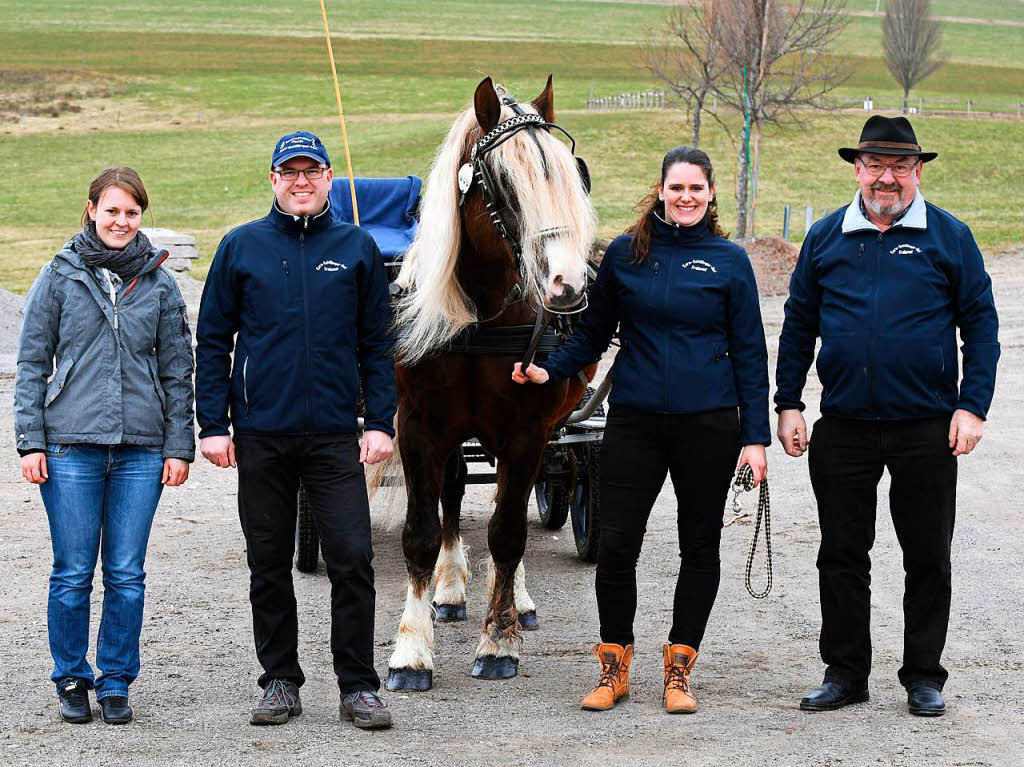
744 482
341 116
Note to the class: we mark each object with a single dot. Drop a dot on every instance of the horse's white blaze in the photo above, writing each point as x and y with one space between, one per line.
450 575
540 173
524 603
564 270
415 638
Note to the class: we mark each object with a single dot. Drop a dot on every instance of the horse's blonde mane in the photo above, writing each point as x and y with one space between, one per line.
435 308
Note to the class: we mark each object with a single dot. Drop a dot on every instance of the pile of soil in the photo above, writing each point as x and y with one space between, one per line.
773 260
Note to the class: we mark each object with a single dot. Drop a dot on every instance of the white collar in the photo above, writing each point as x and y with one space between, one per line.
916 216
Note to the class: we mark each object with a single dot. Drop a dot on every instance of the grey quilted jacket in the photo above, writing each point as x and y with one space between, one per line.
123 369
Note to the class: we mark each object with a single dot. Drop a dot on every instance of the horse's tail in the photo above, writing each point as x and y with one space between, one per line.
385 484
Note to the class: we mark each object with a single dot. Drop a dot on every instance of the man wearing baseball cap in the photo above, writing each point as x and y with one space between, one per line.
294 312
886 282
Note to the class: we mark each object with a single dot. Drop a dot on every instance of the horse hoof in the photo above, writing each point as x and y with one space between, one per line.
410 679
528 621
495 667
450 613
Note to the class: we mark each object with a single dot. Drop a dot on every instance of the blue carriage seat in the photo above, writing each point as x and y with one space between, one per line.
388 209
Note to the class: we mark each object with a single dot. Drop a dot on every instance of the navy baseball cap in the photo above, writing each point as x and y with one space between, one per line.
299 144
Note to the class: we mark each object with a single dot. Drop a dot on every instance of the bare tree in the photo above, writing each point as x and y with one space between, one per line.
911 39
688 58
778 67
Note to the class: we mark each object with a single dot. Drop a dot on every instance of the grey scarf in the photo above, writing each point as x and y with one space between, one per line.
127 262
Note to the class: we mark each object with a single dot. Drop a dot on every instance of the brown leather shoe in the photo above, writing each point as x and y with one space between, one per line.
679 662
614 682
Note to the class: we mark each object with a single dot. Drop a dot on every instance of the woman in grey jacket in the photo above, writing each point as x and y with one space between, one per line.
103 431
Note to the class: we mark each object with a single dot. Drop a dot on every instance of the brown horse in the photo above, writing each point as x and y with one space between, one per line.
516 239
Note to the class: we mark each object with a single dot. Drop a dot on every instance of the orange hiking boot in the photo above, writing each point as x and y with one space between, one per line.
614 681
679 662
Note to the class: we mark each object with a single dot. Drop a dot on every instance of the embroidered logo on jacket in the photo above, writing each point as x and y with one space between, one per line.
699 265
904 250
329 266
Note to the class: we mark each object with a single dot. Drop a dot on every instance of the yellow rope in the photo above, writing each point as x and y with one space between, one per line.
341 115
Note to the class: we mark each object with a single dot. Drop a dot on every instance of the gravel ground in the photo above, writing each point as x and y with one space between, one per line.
199 669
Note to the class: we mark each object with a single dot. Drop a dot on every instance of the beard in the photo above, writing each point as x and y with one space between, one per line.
880 209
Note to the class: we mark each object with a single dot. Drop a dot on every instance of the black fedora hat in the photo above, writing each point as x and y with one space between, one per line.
887 135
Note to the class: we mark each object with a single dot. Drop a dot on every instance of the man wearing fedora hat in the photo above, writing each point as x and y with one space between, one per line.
885 282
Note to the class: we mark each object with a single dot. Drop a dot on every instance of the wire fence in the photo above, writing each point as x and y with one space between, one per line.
919 105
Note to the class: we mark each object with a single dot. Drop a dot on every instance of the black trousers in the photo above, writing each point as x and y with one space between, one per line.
846 460
700 452
269 471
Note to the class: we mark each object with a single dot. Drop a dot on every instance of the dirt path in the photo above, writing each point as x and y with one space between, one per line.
758 658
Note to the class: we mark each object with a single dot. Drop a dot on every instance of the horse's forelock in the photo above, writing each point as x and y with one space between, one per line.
543 178
549 196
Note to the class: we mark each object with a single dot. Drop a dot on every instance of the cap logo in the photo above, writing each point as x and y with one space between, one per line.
298 142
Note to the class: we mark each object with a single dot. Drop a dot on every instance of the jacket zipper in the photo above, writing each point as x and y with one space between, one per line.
305 311
667 356
871 370
245 386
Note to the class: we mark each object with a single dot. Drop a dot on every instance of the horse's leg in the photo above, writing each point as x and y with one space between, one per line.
452 569
525 608
411 666
497 653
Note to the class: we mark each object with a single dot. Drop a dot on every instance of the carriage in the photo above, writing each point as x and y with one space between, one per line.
566 488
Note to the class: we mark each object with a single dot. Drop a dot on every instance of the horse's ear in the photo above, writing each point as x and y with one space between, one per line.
545 102
485 101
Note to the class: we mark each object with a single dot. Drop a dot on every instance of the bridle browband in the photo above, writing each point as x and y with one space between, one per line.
498 207
478 170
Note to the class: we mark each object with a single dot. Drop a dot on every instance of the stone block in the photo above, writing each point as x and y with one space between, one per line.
181 248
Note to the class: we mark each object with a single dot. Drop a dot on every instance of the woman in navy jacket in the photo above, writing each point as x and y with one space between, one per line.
689 396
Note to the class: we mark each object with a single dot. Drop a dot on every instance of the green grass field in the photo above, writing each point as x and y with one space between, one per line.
193 94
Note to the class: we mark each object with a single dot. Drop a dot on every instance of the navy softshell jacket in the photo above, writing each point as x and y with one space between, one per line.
308 300
690 328
887 306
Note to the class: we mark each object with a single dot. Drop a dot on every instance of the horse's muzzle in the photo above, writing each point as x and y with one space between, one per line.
567 298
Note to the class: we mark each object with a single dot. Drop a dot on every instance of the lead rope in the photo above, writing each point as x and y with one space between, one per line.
744 482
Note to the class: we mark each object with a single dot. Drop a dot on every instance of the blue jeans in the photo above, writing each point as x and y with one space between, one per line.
99 494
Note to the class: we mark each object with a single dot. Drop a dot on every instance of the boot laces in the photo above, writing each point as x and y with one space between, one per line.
676 678
611 671
276 695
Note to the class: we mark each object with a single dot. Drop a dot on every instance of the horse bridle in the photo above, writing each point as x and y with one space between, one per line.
478 170
498 206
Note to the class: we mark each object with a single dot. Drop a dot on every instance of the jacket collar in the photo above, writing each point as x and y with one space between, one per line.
915 217
69 264
666 230
292 223
70 258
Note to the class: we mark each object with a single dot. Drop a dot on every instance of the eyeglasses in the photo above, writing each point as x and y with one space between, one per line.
899 169
290 174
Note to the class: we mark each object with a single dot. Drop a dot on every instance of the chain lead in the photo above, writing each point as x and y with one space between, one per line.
744 482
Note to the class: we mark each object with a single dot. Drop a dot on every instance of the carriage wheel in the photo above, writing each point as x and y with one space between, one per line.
552 496
307 540
586 502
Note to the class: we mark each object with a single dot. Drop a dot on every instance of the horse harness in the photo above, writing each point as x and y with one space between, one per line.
478 170
541 337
